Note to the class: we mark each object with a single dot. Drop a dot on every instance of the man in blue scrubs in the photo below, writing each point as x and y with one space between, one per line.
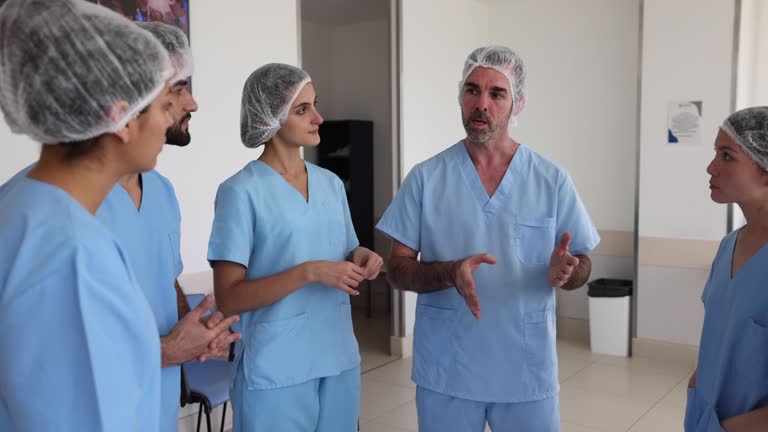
143 213
484 340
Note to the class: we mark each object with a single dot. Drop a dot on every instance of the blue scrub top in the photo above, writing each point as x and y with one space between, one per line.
150 237
85 352
264 223
732 374
443 211
7 186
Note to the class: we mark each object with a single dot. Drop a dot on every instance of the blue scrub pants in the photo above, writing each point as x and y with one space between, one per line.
442 413
330 404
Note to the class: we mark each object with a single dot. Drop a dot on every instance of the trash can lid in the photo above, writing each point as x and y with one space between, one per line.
610 288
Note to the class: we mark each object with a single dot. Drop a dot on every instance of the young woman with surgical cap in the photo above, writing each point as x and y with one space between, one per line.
90 86
729 389
285 256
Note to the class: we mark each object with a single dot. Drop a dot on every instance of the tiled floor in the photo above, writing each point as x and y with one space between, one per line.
598 394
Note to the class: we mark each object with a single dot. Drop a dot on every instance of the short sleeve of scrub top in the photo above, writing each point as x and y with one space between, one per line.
402 219
572 217
232 233
351 236
85 337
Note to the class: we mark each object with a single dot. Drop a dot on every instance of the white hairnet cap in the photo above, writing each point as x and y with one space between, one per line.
267 98
175 41
66 64
749 129
506 62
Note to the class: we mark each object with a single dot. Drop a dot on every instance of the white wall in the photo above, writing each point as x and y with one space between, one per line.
687 53
752 87
582 71
227 47
18 152
753 54
433 54
582 62
228 44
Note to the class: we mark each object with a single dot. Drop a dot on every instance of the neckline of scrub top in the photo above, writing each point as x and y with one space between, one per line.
59 191
127 195
298 194
489 204
731 274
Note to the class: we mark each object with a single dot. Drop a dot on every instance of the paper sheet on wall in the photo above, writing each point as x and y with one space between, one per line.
684 122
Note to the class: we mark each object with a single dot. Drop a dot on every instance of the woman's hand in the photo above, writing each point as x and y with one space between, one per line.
369 260
343 275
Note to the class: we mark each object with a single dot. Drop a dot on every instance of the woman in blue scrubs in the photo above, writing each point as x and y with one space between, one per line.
729 389
91 87
286 258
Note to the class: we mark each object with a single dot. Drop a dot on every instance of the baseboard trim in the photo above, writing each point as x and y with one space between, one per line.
401 346
573 329
666 351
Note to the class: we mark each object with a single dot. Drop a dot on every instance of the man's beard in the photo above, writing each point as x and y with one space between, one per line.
176 136
480 136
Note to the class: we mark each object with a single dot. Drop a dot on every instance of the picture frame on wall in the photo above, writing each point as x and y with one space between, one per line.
173 12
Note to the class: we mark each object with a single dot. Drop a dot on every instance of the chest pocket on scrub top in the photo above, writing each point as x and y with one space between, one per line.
534 239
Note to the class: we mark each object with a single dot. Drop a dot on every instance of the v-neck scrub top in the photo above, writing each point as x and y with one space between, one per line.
732 372
150 236
83 350
443 211
265 224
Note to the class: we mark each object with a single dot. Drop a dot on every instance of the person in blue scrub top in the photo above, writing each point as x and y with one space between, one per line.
729 389
143 213
91 87
498 228
285 256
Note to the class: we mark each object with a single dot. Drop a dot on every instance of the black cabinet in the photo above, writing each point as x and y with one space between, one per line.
346 149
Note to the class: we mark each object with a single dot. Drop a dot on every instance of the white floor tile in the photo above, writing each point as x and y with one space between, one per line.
373 339
377 398
598 393
378 427
607 413
395 373
634 384
403 417
570 427
661 419
678 397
